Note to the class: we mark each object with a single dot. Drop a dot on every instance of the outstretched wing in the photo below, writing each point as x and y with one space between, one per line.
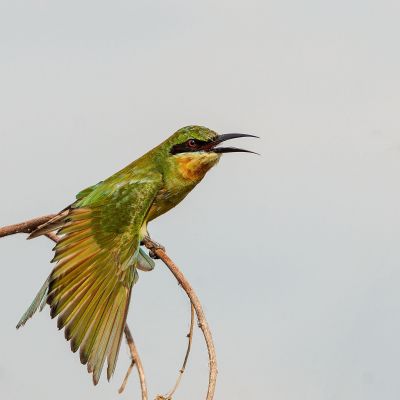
90 287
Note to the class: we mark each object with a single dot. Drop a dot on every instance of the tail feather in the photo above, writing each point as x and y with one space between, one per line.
38 303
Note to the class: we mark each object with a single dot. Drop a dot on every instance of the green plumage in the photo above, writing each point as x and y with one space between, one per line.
99 252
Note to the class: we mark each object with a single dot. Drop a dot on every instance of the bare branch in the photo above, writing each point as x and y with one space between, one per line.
25 227
182 370
135 359
160 252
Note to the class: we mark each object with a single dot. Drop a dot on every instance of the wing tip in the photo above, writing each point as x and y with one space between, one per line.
95 379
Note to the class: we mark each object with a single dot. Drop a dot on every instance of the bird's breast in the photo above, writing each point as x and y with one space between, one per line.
165 200
184 173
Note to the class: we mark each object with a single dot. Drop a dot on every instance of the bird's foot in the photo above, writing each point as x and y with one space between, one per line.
152 246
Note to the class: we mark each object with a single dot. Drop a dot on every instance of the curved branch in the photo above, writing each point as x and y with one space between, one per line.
203 325
29 226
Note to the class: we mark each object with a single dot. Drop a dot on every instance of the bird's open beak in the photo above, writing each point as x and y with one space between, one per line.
228 136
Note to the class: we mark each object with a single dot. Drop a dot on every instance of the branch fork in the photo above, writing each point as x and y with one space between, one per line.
159 252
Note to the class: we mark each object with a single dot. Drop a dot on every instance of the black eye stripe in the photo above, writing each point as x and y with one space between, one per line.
190 145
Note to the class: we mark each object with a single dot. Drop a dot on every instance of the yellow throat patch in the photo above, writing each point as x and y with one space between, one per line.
193 166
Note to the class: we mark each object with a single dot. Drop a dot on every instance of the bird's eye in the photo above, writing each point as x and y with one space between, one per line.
192 143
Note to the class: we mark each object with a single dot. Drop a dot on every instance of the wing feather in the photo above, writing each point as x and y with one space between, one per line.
90 287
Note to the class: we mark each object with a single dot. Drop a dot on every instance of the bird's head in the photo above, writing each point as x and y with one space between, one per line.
199 139
195 149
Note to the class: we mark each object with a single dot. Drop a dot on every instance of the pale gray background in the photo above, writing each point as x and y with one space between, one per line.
294 254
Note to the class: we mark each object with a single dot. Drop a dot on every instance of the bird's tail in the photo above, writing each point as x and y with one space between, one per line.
38 303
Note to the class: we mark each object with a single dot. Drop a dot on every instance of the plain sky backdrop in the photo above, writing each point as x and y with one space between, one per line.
295 254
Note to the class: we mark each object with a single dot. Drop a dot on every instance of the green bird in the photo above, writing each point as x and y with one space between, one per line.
99 252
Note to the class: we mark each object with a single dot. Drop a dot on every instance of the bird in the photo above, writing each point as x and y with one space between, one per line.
99 252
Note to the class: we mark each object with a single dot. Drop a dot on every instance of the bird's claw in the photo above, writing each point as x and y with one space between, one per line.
153 255
152 246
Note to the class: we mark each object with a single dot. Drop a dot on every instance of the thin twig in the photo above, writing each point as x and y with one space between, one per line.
182 370
31 225
135 359
160 252
53 236
26 226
